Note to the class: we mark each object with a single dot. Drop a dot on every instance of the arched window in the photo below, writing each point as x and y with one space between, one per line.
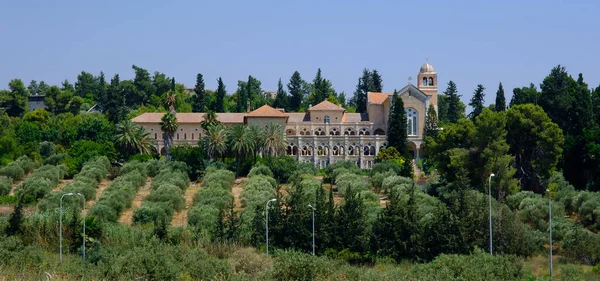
349 131
364 131
430 81
412 118
424 81
326 119
334 132
379 132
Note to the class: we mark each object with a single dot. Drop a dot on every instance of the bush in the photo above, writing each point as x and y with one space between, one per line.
150 212
167 193
176 178
477 266
25 163
290 265
534 211
8 199
581 245
385 166
350 165
13 171
204 219
348 180
5 185
260 169
249 262
47 149
514 201
257 191
118 196
128 167
377 178
397 183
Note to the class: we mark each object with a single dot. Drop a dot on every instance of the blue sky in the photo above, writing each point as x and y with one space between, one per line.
470 42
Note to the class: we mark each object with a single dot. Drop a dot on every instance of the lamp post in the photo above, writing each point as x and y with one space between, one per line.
267 222
60 231
313 227
490 199
550 220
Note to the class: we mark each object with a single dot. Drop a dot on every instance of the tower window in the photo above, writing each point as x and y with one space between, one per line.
326 118
424 81
430 81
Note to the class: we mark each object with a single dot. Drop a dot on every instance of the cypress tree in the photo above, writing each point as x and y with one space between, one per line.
115 101
500 104
242 97
198 101
377 81
477 102
596 104
282 99
221 92
321 89
15 220
397 135
351 223
320 216
455 111
431 122
297 92
359 99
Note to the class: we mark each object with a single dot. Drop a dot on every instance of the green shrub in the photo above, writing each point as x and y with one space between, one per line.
224 178
8 199
169 194
260 169
397 183
290 265
204 219
150 212
589 212
47 149
384 167
478 266
213 196
13 171
25 163
349 180
257 191
248 261
581 245
5 185
377 178
14 252
177 178
118 196
350 165
141 167
534 211
514 201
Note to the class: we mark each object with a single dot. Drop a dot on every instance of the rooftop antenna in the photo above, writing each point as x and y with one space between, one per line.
410 80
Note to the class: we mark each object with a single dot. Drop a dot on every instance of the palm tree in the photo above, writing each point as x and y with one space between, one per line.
215 141
210 119
168 125
241 143
257 134
274 140
132 138
170 101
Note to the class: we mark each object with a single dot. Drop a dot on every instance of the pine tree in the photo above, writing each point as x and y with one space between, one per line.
359 99
453 98
365 85
258 227
596 104
321 235
431 122
297 91
282 99
377 81
297 220
525 95
477 102
500 104
76 230
198 101
220 94
351 224
397 135
321 89
15 220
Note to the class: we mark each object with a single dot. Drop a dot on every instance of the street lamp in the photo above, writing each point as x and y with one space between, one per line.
60 234
313 227
550 219
267 222
490 197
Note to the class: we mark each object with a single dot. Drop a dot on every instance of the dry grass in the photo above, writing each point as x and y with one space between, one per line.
180 218
127 215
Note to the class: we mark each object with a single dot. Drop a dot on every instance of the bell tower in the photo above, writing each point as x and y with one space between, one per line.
427 82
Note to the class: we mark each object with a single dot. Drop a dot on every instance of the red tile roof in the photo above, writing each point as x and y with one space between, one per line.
266 111
374 97
154 117
326 105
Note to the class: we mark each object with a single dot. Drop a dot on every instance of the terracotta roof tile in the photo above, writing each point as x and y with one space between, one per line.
154 117
297 117
326 105
377 97
354 117
266 111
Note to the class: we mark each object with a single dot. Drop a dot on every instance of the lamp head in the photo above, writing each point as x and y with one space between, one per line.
69 194
310 206
547 190
492 175
272 200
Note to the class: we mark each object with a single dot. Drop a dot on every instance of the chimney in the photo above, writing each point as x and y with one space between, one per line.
247 106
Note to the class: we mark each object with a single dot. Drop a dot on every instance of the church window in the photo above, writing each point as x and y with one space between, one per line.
326 119
424 81
430 81
412 121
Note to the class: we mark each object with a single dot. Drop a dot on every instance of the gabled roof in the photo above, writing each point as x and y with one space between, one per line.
374 97
379 98
155 117
297 117
326 105
266 111
355 117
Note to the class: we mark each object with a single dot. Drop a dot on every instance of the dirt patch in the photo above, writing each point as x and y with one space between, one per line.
127 215
180 218
99 190
14 187
236 190
61 184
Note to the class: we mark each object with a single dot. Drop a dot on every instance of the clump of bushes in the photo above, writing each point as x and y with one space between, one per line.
85 183
247 261
42 181
5 185
13 171
260 169
214 196
396 183
377 178
119 194
351 180
166 195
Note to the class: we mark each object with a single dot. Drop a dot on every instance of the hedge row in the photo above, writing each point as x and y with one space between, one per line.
6 184
17 169
120 193
85 183
258 189
215 195
166 195
41 182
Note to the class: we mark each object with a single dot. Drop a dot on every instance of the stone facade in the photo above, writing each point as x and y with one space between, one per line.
326 133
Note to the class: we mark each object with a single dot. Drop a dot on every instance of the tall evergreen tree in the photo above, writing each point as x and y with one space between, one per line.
321 89
242 97
377 82
558 91
431 122
220 94
66 86
282 99
397 135
525 95
455 111
14 100
298 234
500 104
115 101
477 102
596 105
582 107
297 91
198 101
86 84
359 99
254 93
143 84
351 224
